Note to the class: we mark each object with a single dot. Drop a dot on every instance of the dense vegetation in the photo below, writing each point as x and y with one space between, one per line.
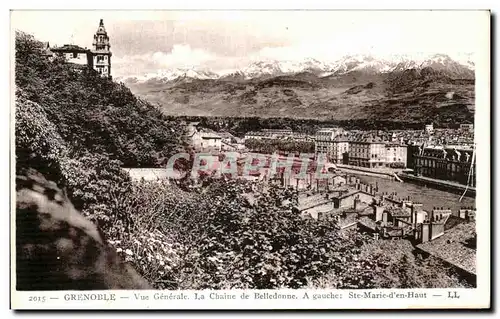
244 236
79 129
269 146
94 114
247 235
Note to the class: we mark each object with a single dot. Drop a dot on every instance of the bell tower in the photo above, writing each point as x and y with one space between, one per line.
101 54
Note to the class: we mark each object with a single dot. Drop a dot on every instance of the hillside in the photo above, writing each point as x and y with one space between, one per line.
79 129
91 113
432 91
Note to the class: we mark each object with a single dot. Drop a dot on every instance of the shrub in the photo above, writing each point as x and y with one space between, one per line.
226 236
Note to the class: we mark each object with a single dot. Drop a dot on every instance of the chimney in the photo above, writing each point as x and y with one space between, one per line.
415 209
425 232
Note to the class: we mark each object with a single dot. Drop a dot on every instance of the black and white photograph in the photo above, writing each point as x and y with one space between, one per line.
259 151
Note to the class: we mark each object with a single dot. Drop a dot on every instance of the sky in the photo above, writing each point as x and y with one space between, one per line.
148 41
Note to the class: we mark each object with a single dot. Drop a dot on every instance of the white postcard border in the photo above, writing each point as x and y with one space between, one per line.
469 298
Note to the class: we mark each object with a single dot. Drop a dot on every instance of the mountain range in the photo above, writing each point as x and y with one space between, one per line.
432 88
344 65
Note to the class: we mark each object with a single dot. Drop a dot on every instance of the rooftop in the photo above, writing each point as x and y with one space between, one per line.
451 247
347 221
398 212
208 134
70 48
368 222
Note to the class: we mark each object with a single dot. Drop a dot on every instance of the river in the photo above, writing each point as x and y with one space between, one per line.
429 197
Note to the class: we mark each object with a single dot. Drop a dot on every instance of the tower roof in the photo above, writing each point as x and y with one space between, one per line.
101 29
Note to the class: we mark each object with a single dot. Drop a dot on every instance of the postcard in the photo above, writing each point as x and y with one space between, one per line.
250 159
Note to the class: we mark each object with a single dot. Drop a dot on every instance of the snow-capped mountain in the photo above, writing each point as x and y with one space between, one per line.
439 62
275 67
361 62
171 75
462 67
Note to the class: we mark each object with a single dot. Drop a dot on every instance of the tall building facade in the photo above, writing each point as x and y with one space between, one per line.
325 142
101 52
367 152
447 163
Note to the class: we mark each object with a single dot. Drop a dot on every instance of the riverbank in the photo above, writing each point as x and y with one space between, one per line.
385 173
439 184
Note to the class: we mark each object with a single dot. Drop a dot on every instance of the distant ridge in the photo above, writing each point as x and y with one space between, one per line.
436 88
346 64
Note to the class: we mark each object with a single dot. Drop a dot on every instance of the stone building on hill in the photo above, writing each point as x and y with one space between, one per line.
97 58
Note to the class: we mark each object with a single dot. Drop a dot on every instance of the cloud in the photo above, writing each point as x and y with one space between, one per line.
183 56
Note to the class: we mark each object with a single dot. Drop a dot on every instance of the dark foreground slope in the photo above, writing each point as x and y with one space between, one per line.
58 249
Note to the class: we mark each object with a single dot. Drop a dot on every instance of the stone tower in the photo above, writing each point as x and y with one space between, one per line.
101 53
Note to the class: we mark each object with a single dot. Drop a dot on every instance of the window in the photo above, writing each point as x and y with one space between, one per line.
75 55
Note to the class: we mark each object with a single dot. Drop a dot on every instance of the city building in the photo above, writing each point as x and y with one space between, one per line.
278 132
97 58
396 154
467 127
329 141
370 152
429 128
446 163
255 135
207 141
340 150
273 134
47 51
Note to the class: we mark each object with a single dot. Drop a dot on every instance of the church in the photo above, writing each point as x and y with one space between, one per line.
97 58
